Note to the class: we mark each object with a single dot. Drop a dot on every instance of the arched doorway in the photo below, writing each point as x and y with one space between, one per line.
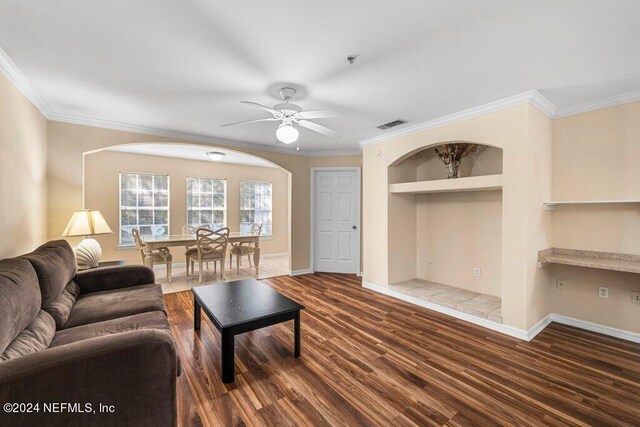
182 163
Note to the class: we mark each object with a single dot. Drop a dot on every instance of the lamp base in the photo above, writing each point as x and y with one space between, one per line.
89 252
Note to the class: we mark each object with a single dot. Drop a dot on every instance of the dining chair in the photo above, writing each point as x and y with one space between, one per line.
211 246
161 255
241 249
191 230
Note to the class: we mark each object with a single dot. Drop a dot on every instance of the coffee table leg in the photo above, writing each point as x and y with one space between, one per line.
296 333
227 357
196 314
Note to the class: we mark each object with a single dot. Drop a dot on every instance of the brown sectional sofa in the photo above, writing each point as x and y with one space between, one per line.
94 337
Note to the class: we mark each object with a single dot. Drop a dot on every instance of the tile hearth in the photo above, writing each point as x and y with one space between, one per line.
465 301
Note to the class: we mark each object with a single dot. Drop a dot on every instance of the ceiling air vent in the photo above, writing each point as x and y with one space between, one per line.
391 124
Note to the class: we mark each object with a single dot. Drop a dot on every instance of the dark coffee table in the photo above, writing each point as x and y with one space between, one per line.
243 306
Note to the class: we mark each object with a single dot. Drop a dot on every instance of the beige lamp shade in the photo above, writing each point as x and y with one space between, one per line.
86 223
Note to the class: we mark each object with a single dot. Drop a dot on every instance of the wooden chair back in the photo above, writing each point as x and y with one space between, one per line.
189 229
210 241
256 229
137 238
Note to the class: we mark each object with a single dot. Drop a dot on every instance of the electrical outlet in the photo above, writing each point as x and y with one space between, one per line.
635 297
561 284
603 292
476 271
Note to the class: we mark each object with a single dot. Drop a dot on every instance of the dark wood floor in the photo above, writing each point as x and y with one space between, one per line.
368 359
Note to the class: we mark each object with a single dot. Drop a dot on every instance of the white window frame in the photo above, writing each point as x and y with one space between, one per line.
132 244
270 235
224 211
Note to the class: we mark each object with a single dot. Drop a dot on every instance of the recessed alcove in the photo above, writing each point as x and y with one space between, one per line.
457 228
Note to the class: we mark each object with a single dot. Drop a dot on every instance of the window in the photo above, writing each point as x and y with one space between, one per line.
144 204
255 206
206 202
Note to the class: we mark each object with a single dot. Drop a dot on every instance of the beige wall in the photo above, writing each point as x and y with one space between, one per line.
101 189
385 231
23 183
596 156
456 232
68 142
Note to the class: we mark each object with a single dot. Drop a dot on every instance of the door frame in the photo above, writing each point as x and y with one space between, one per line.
314 171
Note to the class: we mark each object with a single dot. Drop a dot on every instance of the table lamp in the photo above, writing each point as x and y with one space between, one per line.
87 223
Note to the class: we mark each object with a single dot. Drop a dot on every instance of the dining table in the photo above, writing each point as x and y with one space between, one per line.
154 242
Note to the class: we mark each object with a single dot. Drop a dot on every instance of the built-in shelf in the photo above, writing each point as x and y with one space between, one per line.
472 183
550 206
602 260
452 298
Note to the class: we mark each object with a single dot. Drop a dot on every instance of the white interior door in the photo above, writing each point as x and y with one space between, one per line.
336 218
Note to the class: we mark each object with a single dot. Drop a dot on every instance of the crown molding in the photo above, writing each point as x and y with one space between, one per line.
187 136
15 76
599 104
533 97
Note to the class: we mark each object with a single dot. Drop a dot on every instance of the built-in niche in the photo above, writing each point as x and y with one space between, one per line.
457 229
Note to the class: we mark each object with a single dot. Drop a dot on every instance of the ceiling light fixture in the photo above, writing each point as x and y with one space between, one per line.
215 155
286 133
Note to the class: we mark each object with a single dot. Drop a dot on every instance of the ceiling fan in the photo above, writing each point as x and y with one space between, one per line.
290 114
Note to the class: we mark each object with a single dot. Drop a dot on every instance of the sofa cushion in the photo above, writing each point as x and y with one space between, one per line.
149 320
106 305
35 337
19 298
55 265
60 308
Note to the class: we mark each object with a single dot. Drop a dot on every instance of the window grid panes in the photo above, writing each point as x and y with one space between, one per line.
255 206
206 202
144 204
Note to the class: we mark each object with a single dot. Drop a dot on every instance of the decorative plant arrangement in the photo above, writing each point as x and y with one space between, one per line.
452 155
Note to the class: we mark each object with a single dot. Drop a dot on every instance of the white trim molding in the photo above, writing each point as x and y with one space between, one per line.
15 76
526 335
533 97
596 327
598 104
498 327
192 137
300 272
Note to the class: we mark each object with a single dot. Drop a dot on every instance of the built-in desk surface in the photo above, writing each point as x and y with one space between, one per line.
603 260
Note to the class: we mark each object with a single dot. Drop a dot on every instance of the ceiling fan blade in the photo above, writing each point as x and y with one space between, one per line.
275 113
268 119
320 114
318 128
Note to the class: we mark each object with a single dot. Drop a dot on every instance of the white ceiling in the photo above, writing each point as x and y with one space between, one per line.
192 152
185 65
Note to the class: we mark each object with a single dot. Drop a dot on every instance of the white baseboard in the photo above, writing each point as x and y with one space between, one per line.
539 326
506 329
498 327
596 327
300 272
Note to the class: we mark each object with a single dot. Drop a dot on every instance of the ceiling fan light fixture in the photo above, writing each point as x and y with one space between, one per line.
287 134
215 155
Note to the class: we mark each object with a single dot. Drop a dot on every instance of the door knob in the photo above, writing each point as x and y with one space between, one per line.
354 227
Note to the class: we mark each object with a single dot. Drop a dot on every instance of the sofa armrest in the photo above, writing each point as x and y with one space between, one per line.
108 278
133 374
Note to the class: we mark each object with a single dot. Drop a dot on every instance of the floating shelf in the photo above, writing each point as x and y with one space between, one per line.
550 206
472 183
601 260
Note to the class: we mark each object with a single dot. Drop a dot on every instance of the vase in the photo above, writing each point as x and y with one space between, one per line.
452 169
